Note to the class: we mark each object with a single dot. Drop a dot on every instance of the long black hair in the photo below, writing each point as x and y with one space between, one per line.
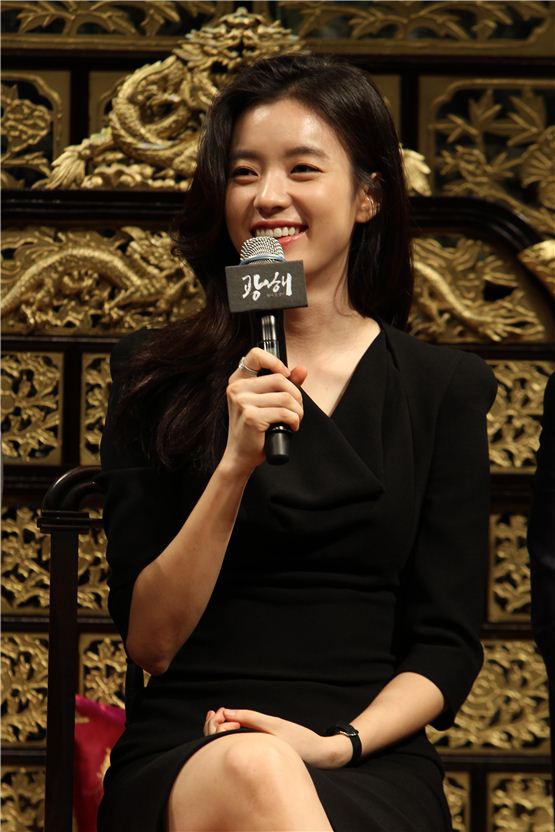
186 364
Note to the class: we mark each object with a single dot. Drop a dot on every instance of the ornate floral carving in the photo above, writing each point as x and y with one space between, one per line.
24 682
509 581
515 418
457 792
540 259
155 122
103 667
507 709
32 407
492 140
467 290
22 798
520 802
416 25
25 566
85 281
95 380
31 128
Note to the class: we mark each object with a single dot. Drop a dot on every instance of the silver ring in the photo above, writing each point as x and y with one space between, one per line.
243 366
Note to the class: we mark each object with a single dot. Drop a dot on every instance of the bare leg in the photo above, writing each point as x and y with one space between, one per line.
245 783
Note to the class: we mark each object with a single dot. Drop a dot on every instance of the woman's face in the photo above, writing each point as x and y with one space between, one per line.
290 177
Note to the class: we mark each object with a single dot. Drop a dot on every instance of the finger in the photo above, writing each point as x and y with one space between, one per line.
276 399
257 359
227 726
252 719
273 383
298 375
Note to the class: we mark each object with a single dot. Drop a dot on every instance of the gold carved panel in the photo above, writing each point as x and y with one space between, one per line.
467 290
87 282
507 710
22 798
514 421
406 27
25 566
32 388
35 126
509 578
457 791
103 666
24 688
155 123
127 25
520 802
103 87
95 381
492 138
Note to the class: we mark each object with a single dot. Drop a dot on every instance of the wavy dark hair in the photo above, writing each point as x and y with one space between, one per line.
186 364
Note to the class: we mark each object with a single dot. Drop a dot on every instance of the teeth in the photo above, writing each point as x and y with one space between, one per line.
276 232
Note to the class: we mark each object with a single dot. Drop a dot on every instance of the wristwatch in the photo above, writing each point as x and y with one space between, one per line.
352 733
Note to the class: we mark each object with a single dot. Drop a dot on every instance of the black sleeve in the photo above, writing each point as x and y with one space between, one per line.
443 588
144 506
541 536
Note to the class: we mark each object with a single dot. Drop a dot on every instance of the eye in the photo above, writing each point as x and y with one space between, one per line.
241 172
302 167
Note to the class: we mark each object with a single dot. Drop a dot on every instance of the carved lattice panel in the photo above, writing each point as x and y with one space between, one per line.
22 798
24 683
35 125
402 26
514 421
64 282
32 408
520 802
467 290
95 381
495 139
103 666
457 792
509 578
25 566
507 710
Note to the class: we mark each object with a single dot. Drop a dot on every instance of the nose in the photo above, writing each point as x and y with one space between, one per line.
272 193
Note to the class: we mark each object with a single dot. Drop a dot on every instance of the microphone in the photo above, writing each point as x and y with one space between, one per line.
263 285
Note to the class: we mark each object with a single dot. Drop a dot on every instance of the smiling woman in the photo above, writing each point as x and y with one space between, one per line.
302 624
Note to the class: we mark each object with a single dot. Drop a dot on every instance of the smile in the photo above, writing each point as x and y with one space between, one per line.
285 231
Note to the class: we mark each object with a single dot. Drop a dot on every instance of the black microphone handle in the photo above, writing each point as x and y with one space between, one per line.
269 334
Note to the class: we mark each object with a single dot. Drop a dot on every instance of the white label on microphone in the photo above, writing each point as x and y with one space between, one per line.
253 284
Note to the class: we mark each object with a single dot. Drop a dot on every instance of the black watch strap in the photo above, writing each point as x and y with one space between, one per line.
352 733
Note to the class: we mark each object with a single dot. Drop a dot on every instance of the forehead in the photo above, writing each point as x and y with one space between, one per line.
282 125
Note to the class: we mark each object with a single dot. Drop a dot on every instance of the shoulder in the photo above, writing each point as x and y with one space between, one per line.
435 371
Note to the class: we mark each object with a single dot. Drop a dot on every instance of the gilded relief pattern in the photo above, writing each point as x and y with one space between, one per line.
69 22
509 581
457 792
495 139
24 683
415 26
103 666
465 290
507 709
22 798
31 129
153 130
540 259
90 282
25 566
95 380
514 421
31 407
520 803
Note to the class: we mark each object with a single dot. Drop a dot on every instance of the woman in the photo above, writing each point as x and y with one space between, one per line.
303 619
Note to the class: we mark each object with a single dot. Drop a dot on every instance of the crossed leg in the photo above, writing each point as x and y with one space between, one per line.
245 783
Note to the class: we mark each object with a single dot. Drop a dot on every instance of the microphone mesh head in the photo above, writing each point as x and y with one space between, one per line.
261 248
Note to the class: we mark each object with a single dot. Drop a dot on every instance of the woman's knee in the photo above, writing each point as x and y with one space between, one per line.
258 759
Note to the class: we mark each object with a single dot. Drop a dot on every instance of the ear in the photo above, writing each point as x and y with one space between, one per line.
367 205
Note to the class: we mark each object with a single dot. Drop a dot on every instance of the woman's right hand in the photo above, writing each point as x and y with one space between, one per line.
256 402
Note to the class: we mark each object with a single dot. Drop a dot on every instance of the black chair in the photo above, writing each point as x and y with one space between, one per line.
64 516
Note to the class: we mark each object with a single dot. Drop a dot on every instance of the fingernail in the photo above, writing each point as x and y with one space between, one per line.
230 711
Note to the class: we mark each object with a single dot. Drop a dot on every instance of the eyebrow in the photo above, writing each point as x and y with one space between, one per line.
300 150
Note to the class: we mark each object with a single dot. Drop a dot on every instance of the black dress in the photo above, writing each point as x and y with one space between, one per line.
362 558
